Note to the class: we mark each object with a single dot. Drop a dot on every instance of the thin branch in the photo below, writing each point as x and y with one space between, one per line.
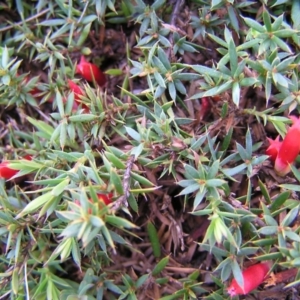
175 14
25 21
238 204
176 11
123 200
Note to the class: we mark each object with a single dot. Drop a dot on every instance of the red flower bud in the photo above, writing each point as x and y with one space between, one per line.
252 276
289 149
273 148
27 157
205 107
105 198
35 92
90 72
6 172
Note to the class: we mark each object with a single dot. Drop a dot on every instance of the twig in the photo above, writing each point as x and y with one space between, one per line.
176 10
239 205
179 232
25 21
123 200
175 15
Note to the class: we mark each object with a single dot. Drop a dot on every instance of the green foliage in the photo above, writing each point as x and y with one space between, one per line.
170 142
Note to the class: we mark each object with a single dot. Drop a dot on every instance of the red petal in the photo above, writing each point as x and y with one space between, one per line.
6 172
253 277
106 198
205 107
289 150
296 122
78 92
273 148
27 157
90 72
76 89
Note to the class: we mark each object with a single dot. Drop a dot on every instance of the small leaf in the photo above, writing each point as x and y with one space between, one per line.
163 58
115 160
35 204
5 57
116 181
160 266
290 217
291 187
15 280
133 133
292 235
237 273
214 182
58 189
265 192
295 13
154 240
209 71
190 189
268 230
83 118
279 201
191 172
255 25
236 93
267 20
172 90
119 222
53 22
233 18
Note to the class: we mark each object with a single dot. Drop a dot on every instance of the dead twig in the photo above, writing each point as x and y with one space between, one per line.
176 11
25 21
123 200
175 15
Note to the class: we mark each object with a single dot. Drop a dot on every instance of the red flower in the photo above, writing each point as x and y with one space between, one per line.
105 198
78 92
289 149
273 148
76 89
253 277
205 107
35 92
6 172
90 71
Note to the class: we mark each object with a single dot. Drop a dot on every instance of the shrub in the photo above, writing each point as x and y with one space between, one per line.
174 135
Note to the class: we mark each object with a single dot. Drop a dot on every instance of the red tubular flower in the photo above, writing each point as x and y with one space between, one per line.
76 89
90 71
273 148
78 92
289 149
253 277
6 172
